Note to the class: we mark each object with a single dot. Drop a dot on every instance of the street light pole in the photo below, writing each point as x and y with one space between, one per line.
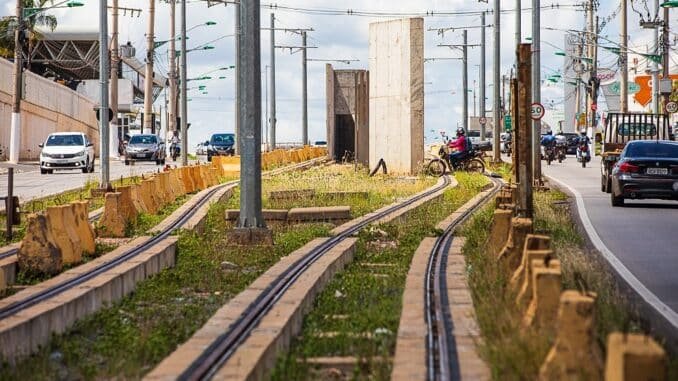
237 78
184 100
497 79
173 68
464 50
15 129
113 141
482 76
103 107
148 79
536 87
304 95
272 115
623 60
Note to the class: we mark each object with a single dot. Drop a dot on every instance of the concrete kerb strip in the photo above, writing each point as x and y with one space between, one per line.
8 266
257 355
23 333
400 213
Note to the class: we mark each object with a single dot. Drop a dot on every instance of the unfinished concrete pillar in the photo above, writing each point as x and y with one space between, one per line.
112 223
83 227
39 252
146 192
127 206
512 252
524 281
633 357
546 288
499 231
62 223
533 242
575 354
396 91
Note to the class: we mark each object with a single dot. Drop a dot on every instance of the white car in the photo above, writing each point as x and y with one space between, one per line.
67 150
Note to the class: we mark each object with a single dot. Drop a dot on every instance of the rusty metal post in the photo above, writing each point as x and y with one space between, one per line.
524 144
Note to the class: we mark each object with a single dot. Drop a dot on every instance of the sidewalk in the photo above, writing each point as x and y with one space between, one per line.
24 166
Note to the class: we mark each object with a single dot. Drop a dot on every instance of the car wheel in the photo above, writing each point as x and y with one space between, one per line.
86 168
43 171
603 185
209 158
162 162
50 171
91 167
616 200
126 162
608 188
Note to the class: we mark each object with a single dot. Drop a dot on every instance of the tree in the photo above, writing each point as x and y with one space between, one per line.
31 23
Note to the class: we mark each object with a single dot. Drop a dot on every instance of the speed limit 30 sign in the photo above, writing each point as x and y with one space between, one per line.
536 111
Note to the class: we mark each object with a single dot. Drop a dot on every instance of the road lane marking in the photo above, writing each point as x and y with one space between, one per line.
650 298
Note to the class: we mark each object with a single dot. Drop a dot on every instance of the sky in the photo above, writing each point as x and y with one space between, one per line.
341 37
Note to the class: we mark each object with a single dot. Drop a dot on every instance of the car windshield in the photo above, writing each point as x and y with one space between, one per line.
64 140
143 139
637 129
222 139
658 150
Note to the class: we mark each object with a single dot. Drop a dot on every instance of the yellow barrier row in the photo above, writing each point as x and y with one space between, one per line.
59 236
230 165
537 281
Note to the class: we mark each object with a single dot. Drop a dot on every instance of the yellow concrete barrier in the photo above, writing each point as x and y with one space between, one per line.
633 357
176 183
499 231
197 180
575 354
546 282
146 193
533 242
187 179
138 200
112 223
166 188
129 208
524 283
62 224
39 252
157 193
83 227
512 251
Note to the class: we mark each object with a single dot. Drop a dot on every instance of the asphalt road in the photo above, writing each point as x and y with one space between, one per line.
639 240
30 184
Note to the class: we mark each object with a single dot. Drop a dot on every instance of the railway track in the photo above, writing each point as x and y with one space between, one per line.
441 360
212 359
49 292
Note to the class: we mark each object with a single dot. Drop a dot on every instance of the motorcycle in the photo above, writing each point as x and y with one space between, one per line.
175 151
583 154
549 153
471 162
561 151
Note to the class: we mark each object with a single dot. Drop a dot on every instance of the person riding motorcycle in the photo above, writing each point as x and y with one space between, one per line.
548 141
581 140
458 147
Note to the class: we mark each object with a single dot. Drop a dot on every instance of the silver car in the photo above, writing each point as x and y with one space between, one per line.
647 169
67 150
145 147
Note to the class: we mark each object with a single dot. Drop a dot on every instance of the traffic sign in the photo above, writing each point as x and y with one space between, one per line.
537 111
507 123
671 107
482 120
110 114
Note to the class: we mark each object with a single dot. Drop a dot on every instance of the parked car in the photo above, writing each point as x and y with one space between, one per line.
320 143
145 147
220 145
645 169
67 150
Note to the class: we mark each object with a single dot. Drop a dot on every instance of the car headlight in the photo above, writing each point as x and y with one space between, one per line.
81 153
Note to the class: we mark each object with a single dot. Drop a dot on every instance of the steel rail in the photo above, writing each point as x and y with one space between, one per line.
20 305
441 359
216 355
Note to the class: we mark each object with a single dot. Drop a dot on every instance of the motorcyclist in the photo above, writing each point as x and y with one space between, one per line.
581 140
548 141
174 143
458 146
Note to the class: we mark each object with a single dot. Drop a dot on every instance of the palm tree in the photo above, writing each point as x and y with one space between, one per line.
31 22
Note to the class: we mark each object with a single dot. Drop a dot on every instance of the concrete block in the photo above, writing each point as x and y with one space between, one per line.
146 192
112 223
522 278
268 214
532 243
250 237
187 179
499 231
62 224
328 213
575 354
396 93
633 357
513 250
130 206
296 194
84 227
157 192
546 281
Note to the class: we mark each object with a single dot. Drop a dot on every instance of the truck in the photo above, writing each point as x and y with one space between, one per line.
621 128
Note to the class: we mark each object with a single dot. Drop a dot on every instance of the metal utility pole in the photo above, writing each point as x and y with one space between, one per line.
272 114
148 78
103 106
577 96
304 94
237 78
15 129
250 118
519 15
655 66
115 62
623 59
536 87
464 50
184 100
665 51
482 76
173 68
497 79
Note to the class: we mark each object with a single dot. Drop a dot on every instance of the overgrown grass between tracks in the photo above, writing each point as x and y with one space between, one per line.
512 352
358 313
127 339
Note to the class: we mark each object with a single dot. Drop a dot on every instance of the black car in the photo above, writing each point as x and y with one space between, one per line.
646 169
220 145
571 139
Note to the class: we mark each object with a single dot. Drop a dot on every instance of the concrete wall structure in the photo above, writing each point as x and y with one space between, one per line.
46 107
348 113
397 94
